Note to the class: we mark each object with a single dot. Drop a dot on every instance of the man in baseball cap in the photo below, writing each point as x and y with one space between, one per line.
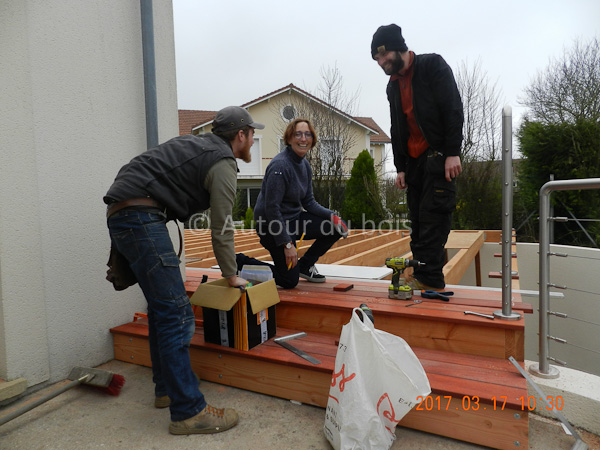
175 180
233 118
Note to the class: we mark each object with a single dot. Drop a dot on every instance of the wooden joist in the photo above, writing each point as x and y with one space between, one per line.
361 248
468 244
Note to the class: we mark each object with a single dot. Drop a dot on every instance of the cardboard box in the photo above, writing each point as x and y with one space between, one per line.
234 318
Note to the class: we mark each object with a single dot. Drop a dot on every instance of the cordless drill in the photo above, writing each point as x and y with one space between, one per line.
397 264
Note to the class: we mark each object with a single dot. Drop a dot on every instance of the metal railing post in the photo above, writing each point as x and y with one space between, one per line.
507 207
543 368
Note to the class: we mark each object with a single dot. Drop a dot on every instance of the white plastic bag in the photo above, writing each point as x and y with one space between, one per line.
376 382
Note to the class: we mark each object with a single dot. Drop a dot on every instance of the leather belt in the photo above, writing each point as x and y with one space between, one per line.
144 201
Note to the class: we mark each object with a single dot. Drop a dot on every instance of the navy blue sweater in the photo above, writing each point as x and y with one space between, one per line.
286 190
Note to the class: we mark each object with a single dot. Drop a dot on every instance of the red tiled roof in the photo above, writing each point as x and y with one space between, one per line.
380 138
189 118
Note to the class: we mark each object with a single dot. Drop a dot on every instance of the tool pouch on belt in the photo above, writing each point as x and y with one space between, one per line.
443 199
119 273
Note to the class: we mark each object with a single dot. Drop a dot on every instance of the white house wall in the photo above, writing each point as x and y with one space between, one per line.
72 113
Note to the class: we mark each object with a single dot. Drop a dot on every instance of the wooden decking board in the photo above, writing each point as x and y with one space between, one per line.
272 370
501 429
481 376
514 276
371 290
432 324
323 296
365 294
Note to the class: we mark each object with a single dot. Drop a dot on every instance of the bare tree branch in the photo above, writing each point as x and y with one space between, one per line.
569 88
482 110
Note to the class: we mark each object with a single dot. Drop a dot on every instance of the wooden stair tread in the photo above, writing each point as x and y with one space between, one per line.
514 276
499 255
434 324
448 373
375 295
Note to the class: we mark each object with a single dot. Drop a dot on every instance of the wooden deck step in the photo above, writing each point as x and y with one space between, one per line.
474 399
499 255
432 324
513 275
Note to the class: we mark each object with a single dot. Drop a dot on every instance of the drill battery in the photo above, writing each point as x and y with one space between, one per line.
403 292
398 265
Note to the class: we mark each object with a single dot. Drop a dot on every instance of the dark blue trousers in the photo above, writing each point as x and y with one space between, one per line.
317 228
431 202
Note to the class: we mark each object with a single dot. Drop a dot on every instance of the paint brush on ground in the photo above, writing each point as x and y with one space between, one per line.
297 247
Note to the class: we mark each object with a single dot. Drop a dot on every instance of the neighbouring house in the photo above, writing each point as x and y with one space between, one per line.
341 136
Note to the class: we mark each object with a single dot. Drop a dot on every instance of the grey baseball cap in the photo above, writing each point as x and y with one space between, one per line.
234 118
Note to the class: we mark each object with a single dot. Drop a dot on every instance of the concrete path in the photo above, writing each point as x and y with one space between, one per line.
84 418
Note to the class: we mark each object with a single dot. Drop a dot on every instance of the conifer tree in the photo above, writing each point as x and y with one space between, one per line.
362 202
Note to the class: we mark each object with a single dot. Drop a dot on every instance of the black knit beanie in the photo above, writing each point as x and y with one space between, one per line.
386 38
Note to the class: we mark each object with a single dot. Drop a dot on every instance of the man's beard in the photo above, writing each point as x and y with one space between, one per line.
246 155
396 65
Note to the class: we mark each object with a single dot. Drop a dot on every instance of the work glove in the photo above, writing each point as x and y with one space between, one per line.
339 225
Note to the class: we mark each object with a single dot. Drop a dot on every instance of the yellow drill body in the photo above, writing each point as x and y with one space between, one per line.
398 265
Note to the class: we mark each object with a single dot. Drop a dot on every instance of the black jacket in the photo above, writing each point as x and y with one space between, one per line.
437 105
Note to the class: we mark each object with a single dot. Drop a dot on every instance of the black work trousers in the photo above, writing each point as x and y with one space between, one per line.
431 202
313 227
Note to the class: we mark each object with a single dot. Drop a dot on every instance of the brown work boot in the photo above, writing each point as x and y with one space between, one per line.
209 420
162 402
416 285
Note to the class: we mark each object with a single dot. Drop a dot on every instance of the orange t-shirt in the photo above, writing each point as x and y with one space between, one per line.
416 141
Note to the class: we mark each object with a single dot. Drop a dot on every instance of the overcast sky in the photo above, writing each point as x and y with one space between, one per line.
232 52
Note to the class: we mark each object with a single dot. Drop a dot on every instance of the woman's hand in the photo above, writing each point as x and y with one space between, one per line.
291 256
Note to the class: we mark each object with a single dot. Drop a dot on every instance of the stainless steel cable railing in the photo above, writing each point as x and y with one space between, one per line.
543 368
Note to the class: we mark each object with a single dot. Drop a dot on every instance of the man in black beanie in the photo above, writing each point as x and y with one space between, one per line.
426 127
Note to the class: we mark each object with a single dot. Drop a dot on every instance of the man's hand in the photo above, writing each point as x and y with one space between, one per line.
340 226
236 281
291 256
401 180
453 167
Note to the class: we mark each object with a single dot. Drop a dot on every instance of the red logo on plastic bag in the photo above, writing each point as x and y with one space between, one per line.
343 381
385 409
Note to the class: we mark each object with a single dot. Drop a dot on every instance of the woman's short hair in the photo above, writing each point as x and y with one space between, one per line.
291 129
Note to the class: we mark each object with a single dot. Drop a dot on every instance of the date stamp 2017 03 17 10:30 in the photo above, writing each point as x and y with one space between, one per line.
474 403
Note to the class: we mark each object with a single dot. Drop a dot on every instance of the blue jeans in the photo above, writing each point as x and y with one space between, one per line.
142 237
